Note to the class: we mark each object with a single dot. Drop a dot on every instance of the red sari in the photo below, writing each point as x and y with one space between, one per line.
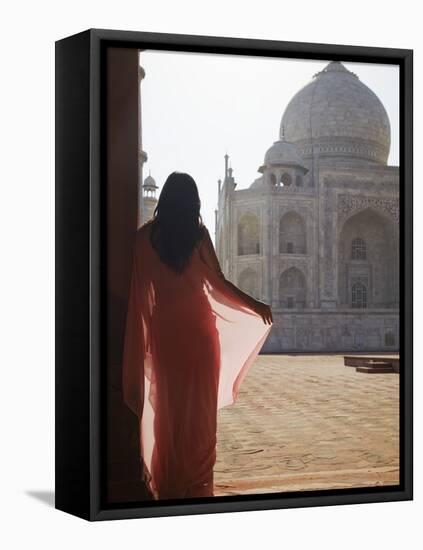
189 342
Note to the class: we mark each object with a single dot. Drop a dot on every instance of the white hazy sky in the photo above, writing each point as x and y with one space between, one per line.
196 107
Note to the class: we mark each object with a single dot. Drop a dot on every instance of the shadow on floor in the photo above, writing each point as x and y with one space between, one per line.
46 497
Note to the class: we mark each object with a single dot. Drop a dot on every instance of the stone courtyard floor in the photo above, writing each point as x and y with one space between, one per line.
306 422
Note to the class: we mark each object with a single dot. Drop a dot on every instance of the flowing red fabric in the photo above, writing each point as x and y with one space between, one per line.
189 342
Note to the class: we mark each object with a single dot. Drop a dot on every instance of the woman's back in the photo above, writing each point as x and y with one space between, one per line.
191 337
168 287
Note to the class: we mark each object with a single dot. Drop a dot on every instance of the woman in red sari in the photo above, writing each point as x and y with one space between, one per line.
191 336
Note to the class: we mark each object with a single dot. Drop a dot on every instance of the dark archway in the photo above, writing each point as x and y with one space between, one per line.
248 234
292 289
368 255
286 179
292 234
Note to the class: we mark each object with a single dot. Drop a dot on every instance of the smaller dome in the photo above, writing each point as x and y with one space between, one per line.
150 183
283 152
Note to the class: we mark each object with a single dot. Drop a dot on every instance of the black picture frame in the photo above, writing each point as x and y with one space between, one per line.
80 256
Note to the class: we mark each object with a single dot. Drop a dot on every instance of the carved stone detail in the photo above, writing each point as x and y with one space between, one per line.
350 203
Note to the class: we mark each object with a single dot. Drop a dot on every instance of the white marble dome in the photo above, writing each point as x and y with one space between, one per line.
283 152
150 183
338 116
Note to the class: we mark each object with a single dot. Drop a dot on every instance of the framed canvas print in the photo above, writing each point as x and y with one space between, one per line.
233 274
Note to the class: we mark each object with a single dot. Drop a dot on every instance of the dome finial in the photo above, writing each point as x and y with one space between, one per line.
334 67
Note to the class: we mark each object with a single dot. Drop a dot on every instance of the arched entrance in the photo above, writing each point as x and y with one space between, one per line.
368 261
292 289
292 234
248 234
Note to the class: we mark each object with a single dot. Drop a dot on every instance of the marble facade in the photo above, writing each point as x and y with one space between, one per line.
317 234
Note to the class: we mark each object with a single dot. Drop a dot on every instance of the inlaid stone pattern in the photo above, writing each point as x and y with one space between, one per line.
351 203
307 422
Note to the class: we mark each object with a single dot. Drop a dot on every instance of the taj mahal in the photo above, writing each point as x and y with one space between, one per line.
316 235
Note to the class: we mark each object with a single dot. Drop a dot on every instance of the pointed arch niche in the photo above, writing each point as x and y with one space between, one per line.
292 289
292 234
368 260
248 234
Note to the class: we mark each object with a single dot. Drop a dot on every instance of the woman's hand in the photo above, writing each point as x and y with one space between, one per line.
264 311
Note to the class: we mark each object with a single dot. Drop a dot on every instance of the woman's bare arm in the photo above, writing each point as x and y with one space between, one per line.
208 255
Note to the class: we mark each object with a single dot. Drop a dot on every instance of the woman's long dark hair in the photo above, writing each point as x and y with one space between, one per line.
177 225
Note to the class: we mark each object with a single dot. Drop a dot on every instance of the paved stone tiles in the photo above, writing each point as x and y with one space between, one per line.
306 422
